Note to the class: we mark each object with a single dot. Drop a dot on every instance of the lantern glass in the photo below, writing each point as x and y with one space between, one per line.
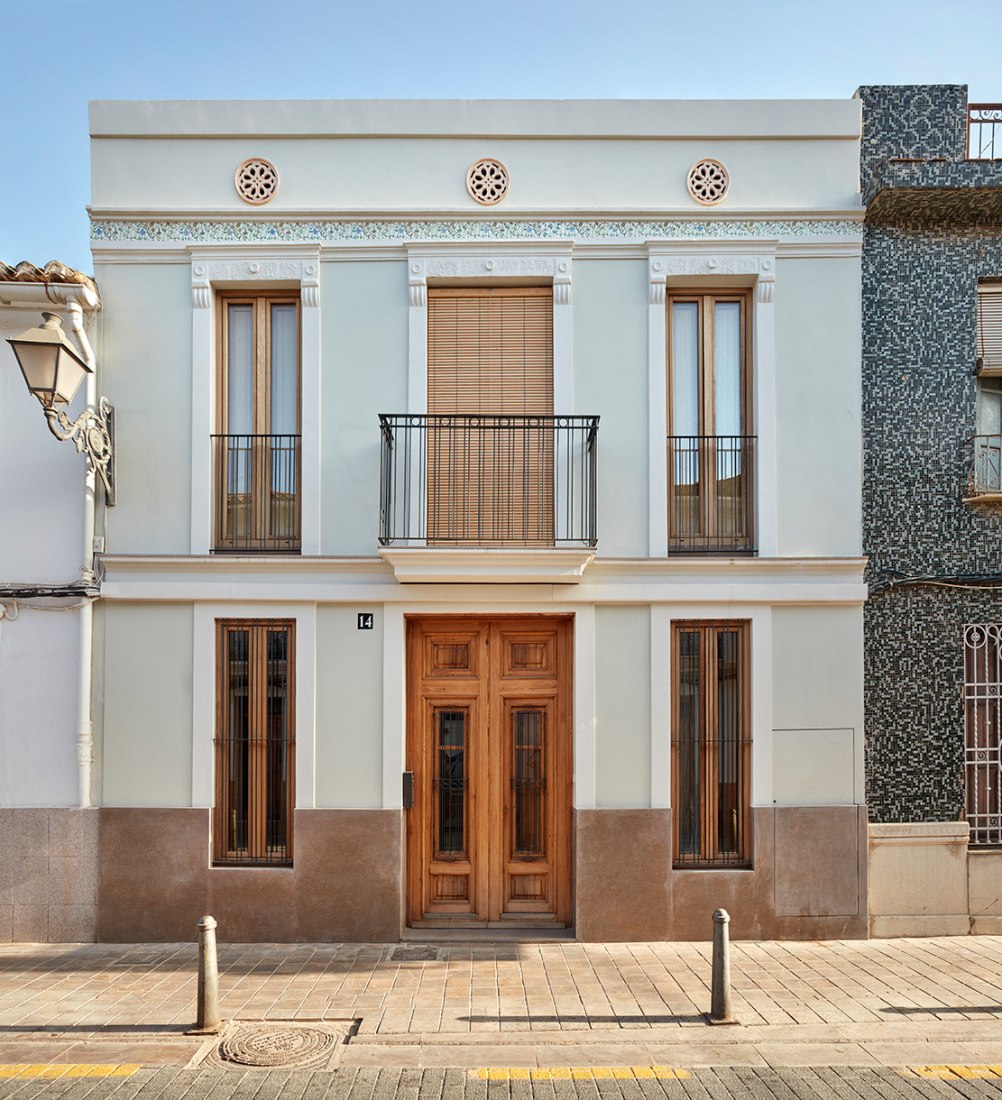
52 368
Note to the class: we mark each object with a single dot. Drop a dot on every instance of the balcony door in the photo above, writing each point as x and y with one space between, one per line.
490 457
710 448
257 449
489 745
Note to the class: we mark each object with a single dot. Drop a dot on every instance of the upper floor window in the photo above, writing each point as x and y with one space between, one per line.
710 445
983 731
986 470
257 457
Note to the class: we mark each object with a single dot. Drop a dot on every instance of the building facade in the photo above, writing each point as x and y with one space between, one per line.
487 551
48 854
932 336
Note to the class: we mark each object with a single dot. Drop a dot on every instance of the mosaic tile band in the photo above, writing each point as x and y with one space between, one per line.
336 231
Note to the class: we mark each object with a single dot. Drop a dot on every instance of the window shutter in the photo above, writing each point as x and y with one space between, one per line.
490 354
490 351
990 328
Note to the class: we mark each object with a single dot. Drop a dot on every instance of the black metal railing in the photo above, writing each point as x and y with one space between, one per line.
256 486
985 474
711 494
984 131
470 480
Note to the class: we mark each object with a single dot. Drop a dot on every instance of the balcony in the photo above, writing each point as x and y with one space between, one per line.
984 131
509 485
256 489
984 478
711 494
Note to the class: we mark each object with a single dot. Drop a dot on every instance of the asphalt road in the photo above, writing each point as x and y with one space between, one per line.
825 1083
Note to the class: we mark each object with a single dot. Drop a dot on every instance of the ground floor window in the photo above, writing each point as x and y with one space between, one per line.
710 744
983 729
255 741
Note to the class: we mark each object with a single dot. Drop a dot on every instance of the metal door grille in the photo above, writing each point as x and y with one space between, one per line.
983 721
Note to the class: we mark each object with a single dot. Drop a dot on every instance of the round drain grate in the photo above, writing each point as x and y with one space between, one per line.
271 1045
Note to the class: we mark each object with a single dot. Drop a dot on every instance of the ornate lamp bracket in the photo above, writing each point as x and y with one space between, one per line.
93 435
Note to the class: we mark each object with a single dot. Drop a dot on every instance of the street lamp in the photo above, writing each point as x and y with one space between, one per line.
53 370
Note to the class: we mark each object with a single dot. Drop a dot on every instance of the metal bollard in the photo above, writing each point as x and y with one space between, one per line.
720 986
207 1014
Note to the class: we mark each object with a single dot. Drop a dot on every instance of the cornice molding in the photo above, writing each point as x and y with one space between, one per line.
512 260
215 267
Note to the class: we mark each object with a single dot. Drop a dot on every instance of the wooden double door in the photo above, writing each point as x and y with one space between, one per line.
489 746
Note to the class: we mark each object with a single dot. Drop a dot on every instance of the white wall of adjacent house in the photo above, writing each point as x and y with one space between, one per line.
41 513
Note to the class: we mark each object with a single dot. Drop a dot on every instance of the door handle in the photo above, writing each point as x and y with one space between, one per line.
408 790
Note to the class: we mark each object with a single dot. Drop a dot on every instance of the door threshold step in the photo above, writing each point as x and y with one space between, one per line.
479 934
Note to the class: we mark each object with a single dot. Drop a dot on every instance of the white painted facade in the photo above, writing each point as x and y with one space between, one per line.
372 209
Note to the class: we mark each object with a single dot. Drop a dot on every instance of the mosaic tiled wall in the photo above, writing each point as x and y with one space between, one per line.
920 277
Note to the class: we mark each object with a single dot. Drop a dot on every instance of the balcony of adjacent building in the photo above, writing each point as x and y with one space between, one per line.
984 478
957 179
481 497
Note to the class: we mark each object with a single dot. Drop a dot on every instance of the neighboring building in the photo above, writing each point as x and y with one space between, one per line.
481 459
932 507
48 842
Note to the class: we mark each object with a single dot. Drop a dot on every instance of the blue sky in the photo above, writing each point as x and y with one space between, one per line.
59 56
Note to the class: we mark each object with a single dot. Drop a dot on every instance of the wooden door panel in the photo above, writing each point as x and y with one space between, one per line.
489 743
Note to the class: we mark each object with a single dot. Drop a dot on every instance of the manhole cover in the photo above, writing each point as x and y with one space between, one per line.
273 1045
413 954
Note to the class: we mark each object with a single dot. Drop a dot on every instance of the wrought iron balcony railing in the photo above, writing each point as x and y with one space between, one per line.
256 481
464 480
984 477
711 494
984 131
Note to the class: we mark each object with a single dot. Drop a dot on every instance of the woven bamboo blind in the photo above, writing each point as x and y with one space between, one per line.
490 353
990 328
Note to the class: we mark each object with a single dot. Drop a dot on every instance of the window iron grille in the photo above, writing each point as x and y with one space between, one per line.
255 744
983 732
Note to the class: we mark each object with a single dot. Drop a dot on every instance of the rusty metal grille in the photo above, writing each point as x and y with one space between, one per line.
984 131
985 473
983 731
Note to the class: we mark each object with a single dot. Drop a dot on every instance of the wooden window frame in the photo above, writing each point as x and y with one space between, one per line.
705 298
260 533
261 302
710 856
255 854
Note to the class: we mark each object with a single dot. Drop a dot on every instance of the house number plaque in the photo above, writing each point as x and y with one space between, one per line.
365 619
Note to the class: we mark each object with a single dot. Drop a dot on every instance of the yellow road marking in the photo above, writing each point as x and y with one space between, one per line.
580 1073
955 1072
22 1070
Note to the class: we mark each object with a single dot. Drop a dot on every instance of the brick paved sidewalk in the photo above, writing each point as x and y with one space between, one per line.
132 1002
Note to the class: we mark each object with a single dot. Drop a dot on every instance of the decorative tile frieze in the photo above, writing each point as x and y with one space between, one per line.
118 230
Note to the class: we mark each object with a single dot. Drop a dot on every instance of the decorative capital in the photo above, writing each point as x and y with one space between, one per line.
309 285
